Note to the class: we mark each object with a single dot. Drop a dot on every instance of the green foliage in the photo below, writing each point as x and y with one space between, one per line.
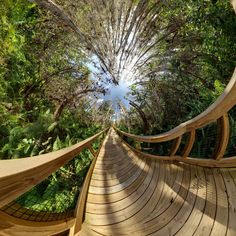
37 63
196 61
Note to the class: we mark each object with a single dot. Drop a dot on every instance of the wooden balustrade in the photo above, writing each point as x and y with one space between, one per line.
218 111
17 176
189 145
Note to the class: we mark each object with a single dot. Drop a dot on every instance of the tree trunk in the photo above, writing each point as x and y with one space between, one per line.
59 110
146 126
59 12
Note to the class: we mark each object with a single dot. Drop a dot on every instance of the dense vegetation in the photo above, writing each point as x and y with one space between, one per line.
45 84
194 64
57 59
47 98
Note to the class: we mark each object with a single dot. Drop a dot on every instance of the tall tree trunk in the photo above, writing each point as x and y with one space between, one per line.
59 110
146 126
52 7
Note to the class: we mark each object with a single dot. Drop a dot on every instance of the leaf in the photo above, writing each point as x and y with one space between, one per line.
52 126
57 144
219 87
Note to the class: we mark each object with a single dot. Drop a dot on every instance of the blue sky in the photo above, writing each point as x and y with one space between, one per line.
115 92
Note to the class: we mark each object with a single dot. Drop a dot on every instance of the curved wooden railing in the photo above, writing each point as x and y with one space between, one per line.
217 112
17 176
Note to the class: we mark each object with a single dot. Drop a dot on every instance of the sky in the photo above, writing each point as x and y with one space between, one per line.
115 92
118 92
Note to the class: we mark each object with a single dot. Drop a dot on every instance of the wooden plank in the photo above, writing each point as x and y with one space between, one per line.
171 188
233 2
92 150
166 199
17 227
209 212
125 202
222 209
178 218
230 183
190 225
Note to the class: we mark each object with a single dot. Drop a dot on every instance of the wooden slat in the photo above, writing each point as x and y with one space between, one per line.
225 162
233 2
222 136
230 184
92 150
18 227
220 226
209 211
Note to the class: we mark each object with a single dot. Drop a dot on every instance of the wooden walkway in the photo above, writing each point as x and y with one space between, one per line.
133 195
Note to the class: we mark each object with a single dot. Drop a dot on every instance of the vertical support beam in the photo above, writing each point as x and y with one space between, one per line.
189 145
175 146
223 131
92 150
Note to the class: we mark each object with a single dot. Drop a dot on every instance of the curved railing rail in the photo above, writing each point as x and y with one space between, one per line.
17 176
216 113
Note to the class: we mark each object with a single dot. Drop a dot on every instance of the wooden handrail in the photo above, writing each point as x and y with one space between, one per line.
17 176
220 107
226 162
218 111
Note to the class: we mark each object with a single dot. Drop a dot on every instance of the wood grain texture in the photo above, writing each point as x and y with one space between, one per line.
156 197
11 226
233 2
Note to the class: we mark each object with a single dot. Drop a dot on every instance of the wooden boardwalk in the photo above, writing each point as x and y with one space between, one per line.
133 195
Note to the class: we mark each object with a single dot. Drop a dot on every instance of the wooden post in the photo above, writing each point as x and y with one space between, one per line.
92 150
189 145
223 132
175 146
